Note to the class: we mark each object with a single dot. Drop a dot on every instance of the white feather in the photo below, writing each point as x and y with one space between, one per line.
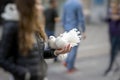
51 42
10 12
72 37
61 42
62 56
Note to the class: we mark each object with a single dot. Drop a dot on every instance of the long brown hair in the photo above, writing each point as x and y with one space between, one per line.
29 23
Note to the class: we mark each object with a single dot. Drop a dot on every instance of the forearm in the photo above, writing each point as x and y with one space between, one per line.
83 26
115 17
57 19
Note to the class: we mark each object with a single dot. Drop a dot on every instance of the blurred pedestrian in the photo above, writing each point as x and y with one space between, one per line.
114 33
51 18
22 48
3 4
73 18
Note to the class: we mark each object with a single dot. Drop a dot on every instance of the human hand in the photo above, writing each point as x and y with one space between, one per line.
115 17
84 35
63 50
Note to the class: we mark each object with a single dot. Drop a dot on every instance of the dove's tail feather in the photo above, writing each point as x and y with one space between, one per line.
73 36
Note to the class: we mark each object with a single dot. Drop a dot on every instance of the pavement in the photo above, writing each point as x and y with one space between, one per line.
91 68
92 59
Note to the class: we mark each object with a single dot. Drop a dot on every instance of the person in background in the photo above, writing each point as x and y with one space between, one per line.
73 18
51 18
114 33
22 47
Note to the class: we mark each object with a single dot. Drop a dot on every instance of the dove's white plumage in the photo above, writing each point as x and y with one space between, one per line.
10 12
61 42
72 37
51 42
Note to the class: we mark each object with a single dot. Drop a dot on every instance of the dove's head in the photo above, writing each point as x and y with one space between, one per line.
52 38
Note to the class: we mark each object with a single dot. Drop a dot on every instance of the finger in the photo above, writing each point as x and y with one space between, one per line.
59 49
65 50
62 50
68 48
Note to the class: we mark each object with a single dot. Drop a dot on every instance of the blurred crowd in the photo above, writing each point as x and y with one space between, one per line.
24 62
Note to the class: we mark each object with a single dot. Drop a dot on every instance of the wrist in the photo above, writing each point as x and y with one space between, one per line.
55 53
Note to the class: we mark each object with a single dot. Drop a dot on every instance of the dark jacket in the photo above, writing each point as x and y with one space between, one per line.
12 61
114 25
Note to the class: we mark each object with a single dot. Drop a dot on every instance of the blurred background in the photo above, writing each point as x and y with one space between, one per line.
94 10
93 53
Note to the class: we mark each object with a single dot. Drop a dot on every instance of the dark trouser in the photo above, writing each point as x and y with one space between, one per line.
115 46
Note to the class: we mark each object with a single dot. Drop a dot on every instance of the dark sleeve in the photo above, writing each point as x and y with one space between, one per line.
5 47
107 19
49 54
55 13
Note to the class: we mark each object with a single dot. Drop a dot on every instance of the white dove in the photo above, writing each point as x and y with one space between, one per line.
51 42
72 37
10 12
61 42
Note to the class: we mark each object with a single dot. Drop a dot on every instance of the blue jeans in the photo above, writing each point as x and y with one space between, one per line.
71 58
